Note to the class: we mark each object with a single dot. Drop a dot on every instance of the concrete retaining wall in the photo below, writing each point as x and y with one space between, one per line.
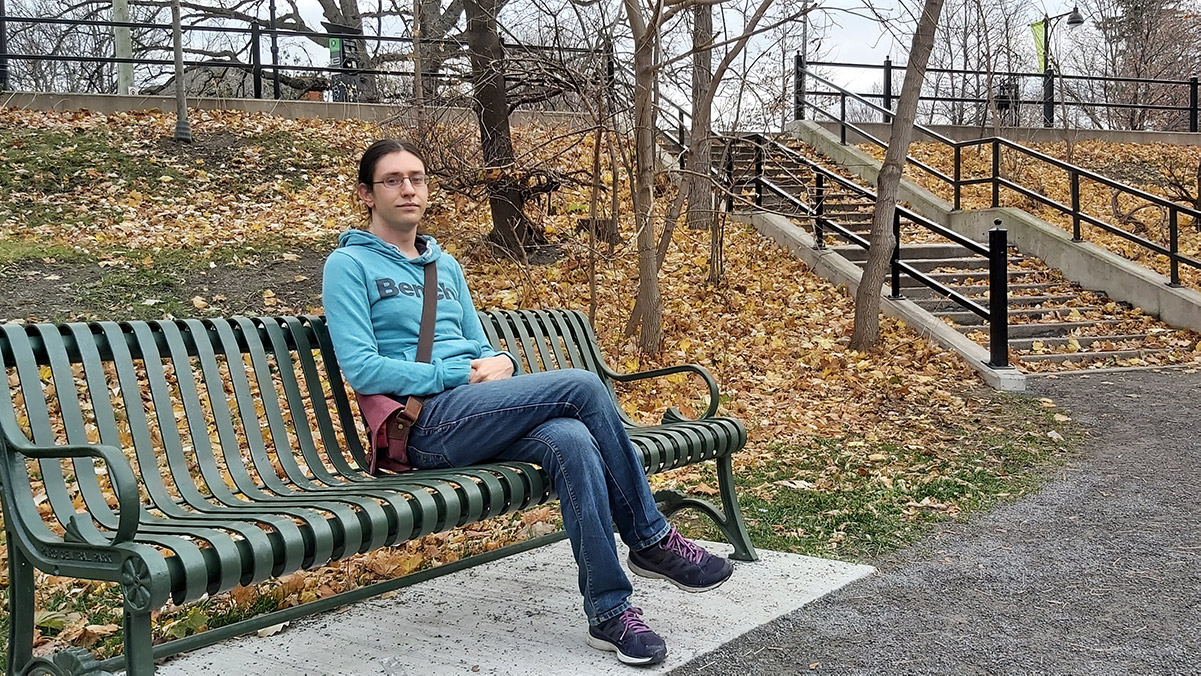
371 112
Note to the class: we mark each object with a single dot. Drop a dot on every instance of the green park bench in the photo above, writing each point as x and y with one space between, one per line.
229 454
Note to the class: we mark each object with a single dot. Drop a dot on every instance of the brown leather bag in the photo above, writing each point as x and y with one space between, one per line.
391 452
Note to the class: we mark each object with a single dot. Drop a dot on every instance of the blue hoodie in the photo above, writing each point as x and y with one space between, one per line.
373 301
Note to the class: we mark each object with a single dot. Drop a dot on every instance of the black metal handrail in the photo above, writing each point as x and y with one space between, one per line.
996 74
1192 87
996 252
1076 173
969 99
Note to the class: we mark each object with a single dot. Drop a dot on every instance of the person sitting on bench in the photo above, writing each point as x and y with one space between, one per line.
473 410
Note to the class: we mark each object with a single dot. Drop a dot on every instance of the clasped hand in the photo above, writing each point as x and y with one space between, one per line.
492 368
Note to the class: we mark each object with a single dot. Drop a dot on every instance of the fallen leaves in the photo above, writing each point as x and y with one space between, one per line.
773 334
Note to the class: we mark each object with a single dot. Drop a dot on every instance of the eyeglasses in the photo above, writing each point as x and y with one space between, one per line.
394 182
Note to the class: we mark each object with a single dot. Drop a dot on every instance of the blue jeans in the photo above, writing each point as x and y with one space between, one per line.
567 422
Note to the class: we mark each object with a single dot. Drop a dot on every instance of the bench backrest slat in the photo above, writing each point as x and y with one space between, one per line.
338 391
217 412
234 350
275 445
268 390
37 410
300 334
67 398
162 397
185 399
298 422
20 484
118 338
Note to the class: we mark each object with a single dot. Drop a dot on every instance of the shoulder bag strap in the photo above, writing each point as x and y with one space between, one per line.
425 339
425 347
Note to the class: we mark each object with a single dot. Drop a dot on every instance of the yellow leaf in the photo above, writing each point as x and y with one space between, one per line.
199 302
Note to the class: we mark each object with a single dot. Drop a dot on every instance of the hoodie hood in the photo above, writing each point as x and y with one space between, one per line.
364 238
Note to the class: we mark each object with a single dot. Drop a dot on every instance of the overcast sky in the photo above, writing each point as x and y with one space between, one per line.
848 31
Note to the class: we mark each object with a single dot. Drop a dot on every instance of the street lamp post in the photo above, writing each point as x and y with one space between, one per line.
1074 19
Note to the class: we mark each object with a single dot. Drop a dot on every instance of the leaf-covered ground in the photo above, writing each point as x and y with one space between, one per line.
849 452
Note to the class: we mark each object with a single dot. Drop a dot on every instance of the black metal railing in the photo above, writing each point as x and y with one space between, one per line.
1080 98
258 67
996 313
997 181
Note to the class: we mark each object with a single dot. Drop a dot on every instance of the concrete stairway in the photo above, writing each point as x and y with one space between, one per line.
1055 325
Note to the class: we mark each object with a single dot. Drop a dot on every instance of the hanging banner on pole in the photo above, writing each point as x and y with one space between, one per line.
1040 45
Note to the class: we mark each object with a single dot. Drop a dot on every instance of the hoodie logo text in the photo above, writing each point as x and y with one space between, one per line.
390 287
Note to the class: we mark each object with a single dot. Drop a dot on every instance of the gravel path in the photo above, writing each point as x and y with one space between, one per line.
1098 573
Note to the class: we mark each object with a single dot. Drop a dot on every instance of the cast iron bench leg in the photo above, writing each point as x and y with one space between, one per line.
728 521
20 608
139 649
735 529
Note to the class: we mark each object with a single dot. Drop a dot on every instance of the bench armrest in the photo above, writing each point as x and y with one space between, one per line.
673 414
119 472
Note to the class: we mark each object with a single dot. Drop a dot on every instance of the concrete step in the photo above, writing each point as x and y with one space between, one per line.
979 290
910 252
929 264
968 318
951 278
1043 330
1020 344
940 303
1060 357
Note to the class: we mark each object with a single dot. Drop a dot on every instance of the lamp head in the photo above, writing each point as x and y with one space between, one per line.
1075 18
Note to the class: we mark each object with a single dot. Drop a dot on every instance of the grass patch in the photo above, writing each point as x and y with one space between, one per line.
144 284
14 251
52 162
848 498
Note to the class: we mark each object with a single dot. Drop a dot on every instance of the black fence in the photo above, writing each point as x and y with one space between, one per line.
1012 98
997 181
246 69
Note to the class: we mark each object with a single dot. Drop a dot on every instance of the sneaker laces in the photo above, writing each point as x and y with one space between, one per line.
683 546
631 622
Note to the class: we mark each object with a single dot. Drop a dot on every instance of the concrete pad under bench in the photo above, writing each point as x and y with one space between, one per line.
521 615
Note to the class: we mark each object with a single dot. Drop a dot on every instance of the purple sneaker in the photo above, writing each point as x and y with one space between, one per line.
629 637
682 563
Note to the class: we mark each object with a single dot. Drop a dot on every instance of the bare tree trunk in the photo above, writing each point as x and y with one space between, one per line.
647 316
418 85
592 216
867 298
510 228
697 183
